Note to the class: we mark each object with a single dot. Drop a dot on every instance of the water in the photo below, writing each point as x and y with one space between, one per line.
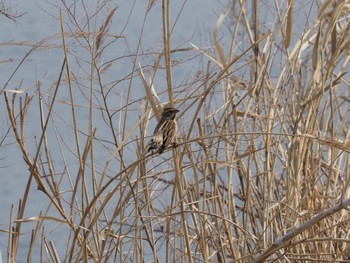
40 23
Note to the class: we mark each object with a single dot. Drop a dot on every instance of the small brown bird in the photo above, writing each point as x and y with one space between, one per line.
165 130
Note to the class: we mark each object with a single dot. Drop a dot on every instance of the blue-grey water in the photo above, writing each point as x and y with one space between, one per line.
40 24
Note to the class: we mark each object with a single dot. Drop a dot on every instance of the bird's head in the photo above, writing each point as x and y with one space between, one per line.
169 113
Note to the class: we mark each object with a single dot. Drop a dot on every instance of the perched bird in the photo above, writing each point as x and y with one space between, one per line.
164 132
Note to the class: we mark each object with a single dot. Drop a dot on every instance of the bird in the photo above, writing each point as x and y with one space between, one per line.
164 133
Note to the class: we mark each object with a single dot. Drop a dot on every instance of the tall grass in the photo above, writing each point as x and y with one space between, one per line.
261 168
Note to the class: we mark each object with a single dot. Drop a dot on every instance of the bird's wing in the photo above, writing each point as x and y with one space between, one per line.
160 126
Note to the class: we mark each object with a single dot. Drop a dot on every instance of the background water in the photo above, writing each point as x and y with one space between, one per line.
40 23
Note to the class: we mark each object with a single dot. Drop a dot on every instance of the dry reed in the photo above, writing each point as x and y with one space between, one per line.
261 168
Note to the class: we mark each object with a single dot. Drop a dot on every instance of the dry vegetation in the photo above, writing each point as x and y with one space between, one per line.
261 172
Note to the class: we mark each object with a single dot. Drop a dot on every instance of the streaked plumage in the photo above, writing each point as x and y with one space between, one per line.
164 132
